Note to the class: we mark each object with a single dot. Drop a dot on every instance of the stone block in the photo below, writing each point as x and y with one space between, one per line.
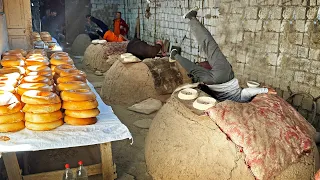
297 100
303 52
300 12
271 70
241 57
285 94
284 85
272 48
250 25
294 86
315 92
271 37
307 103
314 54
305 41
299 76
313 2
251 12
273 25
310 79
318 81
276 82
312 13
304 65
315 67
275 12
287 13
264 13
300 25
279 92
272 59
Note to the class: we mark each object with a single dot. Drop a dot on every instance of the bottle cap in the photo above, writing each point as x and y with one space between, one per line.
67 166
80 163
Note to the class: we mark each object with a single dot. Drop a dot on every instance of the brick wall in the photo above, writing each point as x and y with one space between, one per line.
274 42
105 10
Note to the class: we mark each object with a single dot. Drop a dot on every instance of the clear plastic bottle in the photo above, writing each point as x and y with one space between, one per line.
68 174
81 172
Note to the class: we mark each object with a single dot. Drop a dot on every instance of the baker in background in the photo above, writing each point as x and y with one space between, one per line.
120 27
105 32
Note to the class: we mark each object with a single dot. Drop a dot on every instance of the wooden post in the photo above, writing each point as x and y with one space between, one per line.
108 172
12 166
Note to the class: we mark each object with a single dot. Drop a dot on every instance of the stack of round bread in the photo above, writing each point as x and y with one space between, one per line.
79 101
36 36
42 110
38 74
11 117
60 58
45 36
70 78
80 107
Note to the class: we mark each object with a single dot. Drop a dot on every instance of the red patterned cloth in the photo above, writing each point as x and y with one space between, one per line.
114 48
268 130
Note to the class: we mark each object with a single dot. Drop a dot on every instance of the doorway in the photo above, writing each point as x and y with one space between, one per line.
48 15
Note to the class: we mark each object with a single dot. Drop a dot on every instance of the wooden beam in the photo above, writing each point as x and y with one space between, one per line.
12 166
54 175
108 172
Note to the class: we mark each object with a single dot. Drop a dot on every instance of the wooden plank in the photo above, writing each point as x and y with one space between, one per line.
12 166
54 175
108 172
1 6
16 32
15 15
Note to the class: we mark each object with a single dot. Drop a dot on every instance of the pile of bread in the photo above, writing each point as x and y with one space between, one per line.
34 92
45 36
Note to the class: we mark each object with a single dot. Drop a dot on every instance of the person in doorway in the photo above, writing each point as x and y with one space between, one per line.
105 32
45 21
220 79
120 27
91 29
143 50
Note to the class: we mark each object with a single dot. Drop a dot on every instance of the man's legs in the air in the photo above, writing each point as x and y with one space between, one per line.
221 69
198 73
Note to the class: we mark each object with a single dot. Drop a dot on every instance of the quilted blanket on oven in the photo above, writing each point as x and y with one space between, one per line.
271 133
114 48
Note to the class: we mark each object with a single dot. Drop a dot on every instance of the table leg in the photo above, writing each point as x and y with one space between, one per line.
108 172
12 166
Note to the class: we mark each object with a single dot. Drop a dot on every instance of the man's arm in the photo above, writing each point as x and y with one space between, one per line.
248 93
125 26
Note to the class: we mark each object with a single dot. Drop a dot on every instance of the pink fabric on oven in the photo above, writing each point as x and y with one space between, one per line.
270 131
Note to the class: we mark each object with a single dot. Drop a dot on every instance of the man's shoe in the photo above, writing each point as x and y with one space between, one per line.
173 53
192 13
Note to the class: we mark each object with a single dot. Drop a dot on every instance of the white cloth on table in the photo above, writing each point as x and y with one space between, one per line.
108 128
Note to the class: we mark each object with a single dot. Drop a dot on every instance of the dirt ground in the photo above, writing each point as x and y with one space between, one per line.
129 159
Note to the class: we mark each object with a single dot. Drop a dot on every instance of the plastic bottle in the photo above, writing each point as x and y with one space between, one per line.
81 172
68 174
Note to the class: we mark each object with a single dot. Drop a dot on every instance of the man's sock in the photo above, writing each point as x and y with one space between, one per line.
192 13
173 53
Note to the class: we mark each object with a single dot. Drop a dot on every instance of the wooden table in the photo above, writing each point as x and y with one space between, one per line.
106 167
